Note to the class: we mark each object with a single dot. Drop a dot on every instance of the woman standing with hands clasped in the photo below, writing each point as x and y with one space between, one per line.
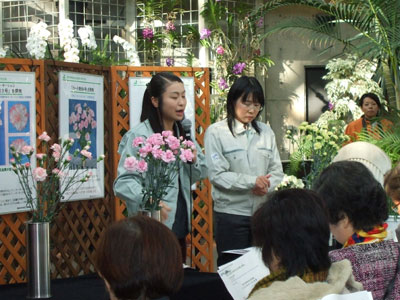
163 108
243 165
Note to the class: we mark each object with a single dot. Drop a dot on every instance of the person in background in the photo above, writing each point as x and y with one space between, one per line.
370 106
139 258
357 208
392 188
292 230
163 108
243 165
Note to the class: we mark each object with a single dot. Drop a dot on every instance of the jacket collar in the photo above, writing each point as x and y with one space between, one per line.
240 128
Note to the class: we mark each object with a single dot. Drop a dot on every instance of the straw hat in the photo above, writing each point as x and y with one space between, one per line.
374 158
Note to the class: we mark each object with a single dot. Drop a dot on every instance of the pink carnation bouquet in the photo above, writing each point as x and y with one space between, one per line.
157 162
45 185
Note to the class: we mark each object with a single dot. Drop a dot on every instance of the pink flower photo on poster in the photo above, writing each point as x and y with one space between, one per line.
18 116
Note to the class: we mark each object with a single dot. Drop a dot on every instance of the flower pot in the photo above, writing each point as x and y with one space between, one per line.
38 259
155 214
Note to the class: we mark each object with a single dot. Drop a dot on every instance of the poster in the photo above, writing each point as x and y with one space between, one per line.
137 87
18 129
81 118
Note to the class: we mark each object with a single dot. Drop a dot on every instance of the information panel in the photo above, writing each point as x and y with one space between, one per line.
81 118
18 129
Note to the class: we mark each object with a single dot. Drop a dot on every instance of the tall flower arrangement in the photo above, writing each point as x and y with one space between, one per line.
130 51
317 145
67 41
45 186
157 162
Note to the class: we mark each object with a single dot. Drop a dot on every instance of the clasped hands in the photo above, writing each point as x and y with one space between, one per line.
262 185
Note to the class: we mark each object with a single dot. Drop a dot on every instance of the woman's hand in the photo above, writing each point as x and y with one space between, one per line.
261 186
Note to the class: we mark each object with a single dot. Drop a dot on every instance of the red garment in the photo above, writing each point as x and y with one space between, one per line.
355 127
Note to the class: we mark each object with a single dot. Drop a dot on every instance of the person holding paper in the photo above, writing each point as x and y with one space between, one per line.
357 208
243 165
292 230
163 109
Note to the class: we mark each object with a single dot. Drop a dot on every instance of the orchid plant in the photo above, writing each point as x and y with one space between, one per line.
45 185
156 162
290 182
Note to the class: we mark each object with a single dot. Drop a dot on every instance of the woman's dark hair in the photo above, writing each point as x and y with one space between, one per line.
372 96
392 182
155 88
140 257
241 89
292 225
349 189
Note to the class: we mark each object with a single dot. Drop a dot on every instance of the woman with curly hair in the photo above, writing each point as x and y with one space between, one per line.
357 209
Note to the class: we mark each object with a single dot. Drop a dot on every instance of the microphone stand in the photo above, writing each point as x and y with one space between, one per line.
187 137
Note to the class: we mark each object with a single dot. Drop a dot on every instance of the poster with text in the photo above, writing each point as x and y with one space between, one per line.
137 87
17 129
81 118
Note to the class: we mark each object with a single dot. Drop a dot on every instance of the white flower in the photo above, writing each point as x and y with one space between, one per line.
129 49
87 37
67 41
37 40
3 52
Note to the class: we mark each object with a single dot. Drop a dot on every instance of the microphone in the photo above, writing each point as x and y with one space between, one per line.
187 127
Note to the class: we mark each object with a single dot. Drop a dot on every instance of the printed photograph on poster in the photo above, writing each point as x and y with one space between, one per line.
2 136
82 128
17 129
18 114
81 118
137 87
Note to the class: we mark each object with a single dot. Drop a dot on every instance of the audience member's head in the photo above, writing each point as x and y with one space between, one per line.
140 258
354 198
392 186
293 232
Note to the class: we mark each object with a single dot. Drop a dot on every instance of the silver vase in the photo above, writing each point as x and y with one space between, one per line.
38 259
155 214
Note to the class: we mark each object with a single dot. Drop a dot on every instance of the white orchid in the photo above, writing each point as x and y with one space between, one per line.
87 37
37 40
3 53
130 50
67 41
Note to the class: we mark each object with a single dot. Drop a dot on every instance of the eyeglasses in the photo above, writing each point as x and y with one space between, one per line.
251 105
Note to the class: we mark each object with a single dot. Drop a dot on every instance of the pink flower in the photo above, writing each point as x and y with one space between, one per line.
205 33
27 165
87 136
57 172
166 133
40 156
238 68
189 144
157 152
44 137
186 155
222 83
168 156
56 155
68 158
18 116
142 166
12 160
39 174
155 139
18 144
56 147
137 141
173 142
130 164
170 26
27 150
94 124
148 33
220 50
78 134
145 150
78 108
87 154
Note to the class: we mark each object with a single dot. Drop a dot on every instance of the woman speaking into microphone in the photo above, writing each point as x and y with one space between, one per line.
243 165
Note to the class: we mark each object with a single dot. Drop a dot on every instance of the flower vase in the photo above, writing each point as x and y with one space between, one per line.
38 259
154 214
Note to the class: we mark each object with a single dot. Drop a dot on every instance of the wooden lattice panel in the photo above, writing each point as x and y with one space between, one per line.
76 230
202 229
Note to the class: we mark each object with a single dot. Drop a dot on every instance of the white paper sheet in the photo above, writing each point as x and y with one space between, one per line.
364 295
240 275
